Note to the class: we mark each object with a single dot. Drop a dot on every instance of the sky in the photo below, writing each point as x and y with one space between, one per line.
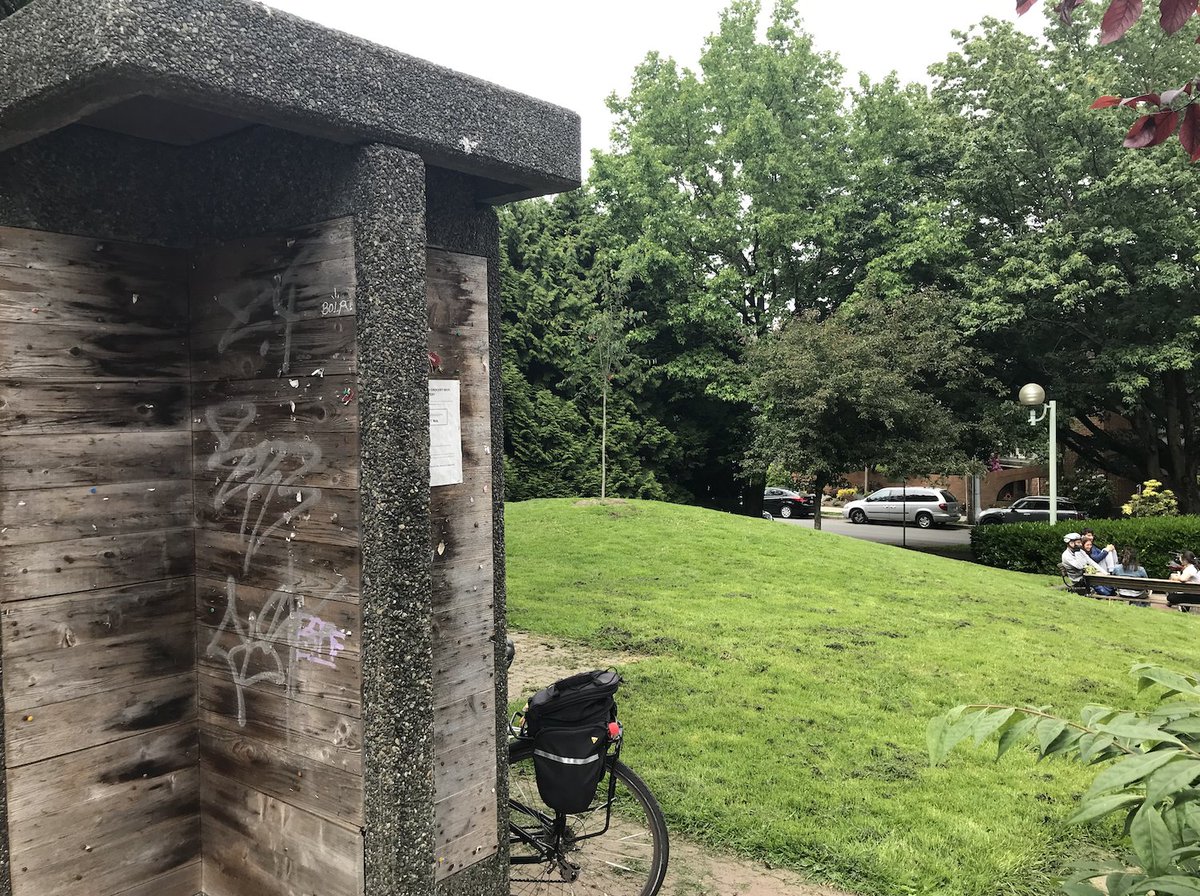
575 54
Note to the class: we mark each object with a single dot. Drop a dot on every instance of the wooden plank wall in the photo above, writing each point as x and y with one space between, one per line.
275 446
464 686
96 566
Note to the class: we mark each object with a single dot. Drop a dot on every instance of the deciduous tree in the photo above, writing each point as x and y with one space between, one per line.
880 381
1085 267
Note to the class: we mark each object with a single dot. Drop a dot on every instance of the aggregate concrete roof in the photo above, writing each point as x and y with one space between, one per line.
183 71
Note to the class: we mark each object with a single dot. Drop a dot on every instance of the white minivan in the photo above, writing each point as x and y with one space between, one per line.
917 504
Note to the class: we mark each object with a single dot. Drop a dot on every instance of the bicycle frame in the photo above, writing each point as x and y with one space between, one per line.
557 823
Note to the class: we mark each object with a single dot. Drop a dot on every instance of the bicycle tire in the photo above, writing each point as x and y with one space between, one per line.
630 859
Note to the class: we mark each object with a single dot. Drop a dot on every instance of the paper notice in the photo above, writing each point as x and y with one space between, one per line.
445 433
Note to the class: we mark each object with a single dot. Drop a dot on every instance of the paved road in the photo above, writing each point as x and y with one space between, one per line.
889 533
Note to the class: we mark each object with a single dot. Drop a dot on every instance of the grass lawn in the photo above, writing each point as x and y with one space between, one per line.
789 675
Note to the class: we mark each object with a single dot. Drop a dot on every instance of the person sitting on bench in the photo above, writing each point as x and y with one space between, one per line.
1129 567
1105 558
1076 562
1189 573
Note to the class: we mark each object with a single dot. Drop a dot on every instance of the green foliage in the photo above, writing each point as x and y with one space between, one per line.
1092 493
779 681
1037 547
1151 500
1069 282
1151 762
562 331
843 392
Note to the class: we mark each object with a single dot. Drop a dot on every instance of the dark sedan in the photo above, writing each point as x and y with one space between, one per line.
781 502
1030 510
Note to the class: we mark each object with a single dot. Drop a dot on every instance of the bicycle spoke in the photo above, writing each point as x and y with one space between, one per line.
628 859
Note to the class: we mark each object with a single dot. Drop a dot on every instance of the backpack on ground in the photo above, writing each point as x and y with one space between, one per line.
572 723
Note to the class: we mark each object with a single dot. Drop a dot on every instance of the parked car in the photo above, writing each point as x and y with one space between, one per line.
1030 510
915 504
781 502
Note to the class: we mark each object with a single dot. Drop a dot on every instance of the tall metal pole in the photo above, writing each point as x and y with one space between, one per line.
1053 462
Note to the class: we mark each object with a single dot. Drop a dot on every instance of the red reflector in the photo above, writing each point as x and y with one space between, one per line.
942 505
614 730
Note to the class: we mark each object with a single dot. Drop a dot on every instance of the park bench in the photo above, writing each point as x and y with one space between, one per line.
1151 591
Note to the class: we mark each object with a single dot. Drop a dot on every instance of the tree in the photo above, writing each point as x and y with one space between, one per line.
1085 260
557 435
717 193
606 354
879 381
1175 107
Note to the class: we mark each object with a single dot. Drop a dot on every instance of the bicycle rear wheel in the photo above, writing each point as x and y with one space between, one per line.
629 859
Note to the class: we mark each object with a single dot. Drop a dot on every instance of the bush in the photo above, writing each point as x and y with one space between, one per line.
846 494
1152 500
1037 547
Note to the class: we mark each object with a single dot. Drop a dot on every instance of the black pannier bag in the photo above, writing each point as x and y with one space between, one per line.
569 723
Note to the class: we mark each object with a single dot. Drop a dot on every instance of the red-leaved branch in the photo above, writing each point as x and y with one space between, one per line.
1175 110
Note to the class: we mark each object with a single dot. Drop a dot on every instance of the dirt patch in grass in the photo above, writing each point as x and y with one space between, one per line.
540 662
693 870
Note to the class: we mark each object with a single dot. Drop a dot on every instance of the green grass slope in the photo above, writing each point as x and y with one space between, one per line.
790 674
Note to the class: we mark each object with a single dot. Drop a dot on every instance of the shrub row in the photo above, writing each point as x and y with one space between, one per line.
1037 547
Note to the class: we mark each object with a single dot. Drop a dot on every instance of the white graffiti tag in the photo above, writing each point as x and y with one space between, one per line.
280 298
283 623
262 476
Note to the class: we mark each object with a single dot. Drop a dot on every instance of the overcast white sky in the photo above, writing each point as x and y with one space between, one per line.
575 54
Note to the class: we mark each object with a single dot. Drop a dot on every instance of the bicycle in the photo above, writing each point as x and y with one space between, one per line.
617 847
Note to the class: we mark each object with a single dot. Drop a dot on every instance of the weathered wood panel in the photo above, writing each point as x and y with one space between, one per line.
313 732
232 301
332 793
68 353
34 734
311 568
107 775
61 567
96 564
316 623
465 767
460 829
327 461
55 461
105 641
137 847
268 254
95 621
275 469
255 844
145 301
324 346
93 259
290 510
31 408
254 663
29 516
186 880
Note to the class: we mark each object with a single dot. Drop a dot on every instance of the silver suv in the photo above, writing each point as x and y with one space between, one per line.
915 504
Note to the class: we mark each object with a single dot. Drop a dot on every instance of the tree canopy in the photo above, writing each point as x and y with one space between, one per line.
782 244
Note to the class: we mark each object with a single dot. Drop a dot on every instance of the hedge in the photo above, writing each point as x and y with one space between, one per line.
1038 547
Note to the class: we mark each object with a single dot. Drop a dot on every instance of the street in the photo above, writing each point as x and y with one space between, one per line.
891 533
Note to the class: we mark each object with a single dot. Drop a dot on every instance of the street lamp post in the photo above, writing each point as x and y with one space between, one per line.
1033 395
